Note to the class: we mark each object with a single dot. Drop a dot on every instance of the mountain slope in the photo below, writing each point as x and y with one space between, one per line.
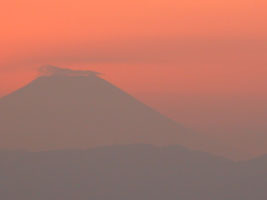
67 109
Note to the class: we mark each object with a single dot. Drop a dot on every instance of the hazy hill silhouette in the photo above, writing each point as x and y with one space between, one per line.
143 172
65 109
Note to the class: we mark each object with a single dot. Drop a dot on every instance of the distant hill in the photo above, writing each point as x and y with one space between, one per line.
65 109
131 172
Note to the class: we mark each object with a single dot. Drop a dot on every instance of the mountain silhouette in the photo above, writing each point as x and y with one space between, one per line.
51 131
67 109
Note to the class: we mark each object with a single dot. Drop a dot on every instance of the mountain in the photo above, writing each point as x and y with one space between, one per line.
72 135
67 109
143 172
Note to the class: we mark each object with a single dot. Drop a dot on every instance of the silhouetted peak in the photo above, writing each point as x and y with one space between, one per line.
49 70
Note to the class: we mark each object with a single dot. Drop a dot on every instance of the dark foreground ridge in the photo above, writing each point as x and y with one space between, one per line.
131 172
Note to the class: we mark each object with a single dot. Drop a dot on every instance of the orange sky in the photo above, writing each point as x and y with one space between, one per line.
202 62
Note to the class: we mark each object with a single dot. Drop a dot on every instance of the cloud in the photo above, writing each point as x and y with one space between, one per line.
49 70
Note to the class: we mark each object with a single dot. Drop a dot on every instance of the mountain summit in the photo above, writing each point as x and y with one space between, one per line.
66 109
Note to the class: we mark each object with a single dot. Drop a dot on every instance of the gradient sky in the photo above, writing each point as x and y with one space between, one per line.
201 62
